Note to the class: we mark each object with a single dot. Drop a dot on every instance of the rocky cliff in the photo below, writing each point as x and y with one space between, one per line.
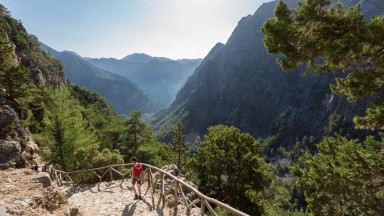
239 84
17 148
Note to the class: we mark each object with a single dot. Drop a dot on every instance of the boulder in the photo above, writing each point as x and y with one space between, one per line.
44 179
9 154
2 210
7 116
16 147
172 169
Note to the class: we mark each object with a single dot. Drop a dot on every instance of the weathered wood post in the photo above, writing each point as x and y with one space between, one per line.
202 209
162 188
110 174
176 193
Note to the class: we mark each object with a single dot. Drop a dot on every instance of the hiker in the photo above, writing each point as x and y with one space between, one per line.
137 177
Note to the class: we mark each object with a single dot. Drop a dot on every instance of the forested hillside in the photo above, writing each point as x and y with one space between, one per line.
70 127
124 95
74 129
240 84
269 142
160 77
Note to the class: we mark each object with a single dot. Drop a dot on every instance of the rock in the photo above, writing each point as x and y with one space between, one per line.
2 211
13 136
9 154
7 116
170 200
44 179
196 211
74 211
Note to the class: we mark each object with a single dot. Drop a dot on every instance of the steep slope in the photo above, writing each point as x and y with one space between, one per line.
122 93
240 84
20 49
161 77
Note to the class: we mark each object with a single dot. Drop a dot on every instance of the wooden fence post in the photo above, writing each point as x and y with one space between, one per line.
202 208
110 174
176 194
162 189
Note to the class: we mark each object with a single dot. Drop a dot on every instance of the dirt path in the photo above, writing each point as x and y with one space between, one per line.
117 199
21 194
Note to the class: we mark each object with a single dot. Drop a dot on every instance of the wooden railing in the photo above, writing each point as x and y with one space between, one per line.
62 177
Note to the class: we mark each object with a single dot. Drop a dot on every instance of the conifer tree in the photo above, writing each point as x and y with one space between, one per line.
62 150
229 168
179 144
13 77
67 130
345 177
327 38
134 134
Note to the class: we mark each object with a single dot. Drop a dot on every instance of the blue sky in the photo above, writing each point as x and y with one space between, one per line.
115 28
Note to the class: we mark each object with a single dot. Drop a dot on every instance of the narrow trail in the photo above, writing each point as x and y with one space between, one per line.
117 199
173 193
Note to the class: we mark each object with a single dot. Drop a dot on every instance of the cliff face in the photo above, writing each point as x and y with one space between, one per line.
240 84
17 148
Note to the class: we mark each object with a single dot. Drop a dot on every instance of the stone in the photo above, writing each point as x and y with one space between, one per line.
44 179
9 154
7 116
74 211
2 211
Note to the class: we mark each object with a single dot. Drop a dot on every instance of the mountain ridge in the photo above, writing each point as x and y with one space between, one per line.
124 95
161 77
239 84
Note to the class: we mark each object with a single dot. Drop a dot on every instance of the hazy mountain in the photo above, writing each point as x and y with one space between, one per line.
239 84
161 77
123 94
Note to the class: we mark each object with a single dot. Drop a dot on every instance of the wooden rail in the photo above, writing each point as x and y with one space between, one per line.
62 177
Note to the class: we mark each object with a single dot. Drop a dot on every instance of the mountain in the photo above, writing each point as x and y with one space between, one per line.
159 76
124 95
240 84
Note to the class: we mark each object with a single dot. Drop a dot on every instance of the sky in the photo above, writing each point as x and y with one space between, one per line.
174 29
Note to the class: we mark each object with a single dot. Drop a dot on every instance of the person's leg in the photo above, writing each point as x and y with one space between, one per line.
133 188
139 188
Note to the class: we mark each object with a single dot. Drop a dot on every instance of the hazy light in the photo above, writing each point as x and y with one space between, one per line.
98 28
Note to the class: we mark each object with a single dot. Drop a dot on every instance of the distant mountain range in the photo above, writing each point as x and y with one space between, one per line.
161 77
124 95
240 84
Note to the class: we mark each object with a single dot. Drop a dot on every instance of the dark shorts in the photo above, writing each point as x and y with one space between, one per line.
137 180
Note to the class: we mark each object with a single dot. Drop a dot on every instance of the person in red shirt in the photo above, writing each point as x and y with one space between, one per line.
137 176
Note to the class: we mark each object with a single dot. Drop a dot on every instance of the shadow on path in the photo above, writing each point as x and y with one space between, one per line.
78 189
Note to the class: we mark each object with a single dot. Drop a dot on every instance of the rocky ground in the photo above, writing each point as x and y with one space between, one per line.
23 194
118 199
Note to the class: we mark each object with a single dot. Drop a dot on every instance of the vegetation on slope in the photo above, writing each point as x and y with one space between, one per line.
345 176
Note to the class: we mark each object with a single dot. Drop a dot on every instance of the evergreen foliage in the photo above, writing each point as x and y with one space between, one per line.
344 177
229 168
325 38
179 145
134 134
66 130
13 77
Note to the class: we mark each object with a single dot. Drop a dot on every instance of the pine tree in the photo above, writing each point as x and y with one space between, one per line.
13 77
327 38
344 177
178 143
62 150
133 135
66 129
229 167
